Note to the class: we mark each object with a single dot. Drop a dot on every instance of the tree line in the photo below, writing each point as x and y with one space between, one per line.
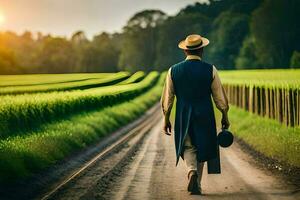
243 34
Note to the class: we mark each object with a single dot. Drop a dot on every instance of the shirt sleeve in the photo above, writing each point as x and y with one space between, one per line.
218 92
168 95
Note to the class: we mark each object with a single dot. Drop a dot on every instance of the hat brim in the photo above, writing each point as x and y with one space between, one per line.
182 44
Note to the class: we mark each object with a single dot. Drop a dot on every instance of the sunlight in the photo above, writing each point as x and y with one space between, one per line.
2 18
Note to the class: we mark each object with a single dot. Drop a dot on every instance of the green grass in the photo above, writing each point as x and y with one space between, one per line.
266 136
283 78
136 77
70 85
23 155
29 111
39 79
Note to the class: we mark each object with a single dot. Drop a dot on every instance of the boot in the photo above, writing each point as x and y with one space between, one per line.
193 186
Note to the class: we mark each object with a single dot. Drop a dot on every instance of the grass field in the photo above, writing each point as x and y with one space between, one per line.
28 153
266 136
28 111
287 78
60 114
39 79
66 85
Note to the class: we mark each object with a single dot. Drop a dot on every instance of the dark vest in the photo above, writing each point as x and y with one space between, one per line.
192 81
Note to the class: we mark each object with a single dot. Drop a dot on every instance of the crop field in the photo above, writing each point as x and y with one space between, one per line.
67 84
39 79
44 118
43 124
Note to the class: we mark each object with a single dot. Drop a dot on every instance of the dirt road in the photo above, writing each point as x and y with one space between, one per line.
153 175
150 173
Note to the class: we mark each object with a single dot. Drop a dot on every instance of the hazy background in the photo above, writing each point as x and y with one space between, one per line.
63 17
52 36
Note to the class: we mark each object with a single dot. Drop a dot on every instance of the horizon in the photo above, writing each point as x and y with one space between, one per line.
51 17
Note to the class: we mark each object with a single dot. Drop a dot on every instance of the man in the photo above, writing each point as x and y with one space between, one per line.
193 82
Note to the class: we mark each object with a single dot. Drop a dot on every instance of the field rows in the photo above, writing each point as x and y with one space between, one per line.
40 79
136 77
26 154
70 85
30 110
38 129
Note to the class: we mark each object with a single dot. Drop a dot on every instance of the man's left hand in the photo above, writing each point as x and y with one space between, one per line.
225 122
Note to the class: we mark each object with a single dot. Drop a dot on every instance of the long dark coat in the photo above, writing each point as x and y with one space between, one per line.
192 81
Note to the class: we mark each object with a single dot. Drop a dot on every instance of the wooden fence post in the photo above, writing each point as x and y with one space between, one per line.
285 108
262 101
267 91
273 97
292 108
275 104
280 103
298 107
251 98
244 97
247 97
255 101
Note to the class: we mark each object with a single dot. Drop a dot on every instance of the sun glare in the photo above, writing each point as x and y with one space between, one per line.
2 18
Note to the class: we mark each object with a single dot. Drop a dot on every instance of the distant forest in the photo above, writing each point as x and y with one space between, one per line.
243 34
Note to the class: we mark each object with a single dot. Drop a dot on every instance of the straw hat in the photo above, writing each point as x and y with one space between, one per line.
193 42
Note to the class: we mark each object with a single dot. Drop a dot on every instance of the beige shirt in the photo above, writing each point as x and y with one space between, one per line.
218 92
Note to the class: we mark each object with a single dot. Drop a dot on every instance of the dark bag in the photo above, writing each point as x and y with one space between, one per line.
225 138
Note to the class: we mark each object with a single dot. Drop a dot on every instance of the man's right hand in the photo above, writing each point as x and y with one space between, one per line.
225 122
167 127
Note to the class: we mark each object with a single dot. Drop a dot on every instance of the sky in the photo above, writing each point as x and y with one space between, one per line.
64 17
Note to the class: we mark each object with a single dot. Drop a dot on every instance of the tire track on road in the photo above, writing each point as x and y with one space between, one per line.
240 178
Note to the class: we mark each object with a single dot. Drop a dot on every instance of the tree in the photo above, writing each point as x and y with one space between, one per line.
8 63
295 60
56 55
224 22
170 34
215 7
22 47
247 58
79 42
229 31
139 41
275 27
242 34
100 55
78 37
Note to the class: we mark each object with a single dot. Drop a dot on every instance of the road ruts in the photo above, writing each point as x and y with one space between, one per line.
152 175
94 175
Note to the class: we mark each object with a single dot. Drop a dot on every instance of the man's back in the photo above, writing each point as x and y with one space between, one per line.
192 80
